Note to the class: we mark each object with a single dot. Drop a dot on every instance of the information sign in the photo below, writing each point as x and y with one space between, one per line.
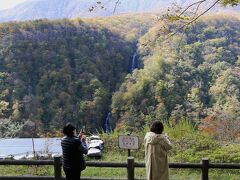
128 142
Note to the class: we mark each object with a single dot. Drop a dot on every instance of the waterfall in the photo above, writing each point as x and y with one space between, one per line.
134 62
107 128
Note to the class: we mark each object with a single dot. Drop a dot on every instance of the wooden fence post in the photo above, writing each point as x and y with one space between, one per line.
130 168
205 167
57 168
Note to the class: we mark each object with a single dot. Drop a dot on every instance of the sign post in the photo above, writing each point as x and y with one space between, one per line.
128 142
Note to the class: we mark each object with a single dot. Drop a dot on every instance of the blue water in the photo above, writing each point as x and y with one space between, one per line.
21 146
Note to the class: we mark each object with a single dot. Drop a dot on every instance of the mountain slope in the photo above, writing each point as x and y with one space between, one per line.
193 75
52 72
56 9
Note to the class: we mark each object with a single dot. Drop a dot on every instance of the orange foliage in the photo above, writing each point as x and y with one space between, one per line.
55 133
209 125
120 126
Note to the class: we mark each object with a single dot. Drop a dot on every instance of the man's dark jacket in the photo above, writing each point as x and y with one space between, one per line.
73 150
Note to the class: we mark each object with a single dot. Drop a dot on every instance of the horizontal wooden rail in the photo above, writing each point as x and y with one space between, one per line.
51 162
123 165
117 164
26 162
224 166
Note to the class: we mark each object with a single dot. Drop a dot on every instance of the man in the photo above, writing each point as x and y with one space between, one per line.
73 148
156 149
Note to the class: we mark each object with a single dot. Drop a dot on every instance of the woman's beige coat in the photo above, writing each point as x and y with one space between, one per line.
156 148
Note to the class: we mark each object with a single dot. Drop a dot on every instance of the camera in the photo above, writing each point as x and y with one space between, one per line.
83 130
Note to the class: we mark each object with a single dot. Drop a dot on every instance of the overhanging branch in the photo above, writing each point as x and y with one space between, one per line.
193 20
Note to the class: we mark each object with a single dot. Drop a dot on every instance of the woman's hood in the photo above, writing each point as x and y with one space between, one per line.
153 138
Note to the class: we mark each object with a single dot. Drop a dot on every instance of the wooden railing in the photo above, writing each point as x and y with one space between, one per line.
130 166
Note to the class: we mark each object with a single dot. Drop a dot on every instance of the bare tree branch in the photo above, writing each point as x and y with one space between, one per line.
116 4
195 13
198 2
193 20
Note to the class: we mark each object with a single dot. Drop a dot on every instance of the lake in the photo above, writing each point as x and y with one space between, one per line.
22 147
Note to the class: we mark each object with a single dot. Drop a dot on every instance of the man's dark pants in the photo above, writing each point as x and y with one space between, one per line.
72 174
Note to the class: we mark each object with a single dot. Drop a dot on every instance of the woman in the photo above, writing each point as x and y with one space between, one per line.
156 149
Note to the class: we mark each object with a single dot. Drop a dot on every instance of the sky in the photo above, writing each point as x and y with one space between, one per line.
5 4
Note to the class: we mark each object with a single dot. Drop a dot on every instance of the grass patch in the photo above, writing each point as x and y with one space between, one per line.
99 172
20 170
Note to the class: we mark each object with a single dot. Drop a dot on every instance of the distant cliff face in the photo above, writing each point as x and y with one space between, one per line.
57 9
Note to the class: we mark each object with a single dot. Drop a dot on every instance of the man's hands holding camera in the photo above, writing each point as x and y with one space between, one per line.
82 135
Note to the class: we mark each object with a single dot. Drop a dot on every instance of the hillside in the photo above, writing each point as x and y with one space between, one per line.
52 72
193 75
58 9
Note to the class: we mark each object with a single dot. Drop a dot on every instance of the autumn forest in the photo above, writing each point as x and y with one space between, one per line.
53 72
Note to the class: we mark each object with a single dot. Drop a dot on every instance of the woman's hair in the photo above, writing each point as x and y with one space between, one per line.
68 129
157 127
